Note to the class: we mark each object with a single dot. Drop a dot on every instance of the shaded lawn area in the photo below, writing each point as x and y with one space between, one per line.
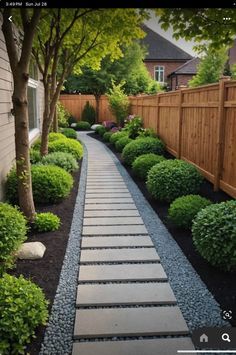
220 283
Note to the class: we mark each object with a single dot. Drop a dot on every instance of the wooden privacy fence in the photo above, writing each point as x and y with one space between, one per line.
75 103
197 125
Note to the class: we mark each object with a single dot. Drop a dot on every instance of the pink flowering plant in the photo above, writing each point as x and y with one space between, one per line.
133 125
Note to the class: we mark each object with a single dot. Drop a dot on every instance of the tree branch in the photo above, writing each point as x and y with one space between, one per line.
9 39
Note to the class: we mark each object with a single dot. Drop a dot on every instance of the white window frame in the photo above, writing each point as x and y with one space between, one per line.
33 133
159 69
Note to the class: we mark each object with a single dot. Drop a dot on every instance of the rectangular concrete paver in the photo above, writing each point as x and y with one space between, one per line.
125 294
107 190
129 322
109 206
112 221
168 346
108 195
110 200
112 213
125 272
119 255
110 230
106 242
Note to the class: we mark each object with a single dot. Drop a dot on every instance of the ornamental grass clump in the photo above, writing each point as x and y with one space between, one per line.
184 209
46 222
121 143
142 146
173 178
144 163
214 234
12 234
23 308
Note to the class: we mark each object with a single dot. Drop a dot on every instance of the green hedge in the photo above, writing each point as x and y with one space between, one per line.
63 160
83 126
144 163
67 145
117 135
69 133
122 142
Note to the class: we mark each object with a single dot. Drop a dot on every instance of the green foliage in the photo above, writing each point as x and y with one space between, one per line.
83 126
67 145
142 146
23 308
46 222
132 126
184 209
146 132
35 156
144 163
106 136
210 68
121 143
12 234
62 115
88 114
117 135
49 182
101 130
214 234
173 178
64 160
118 103
69 133
51 138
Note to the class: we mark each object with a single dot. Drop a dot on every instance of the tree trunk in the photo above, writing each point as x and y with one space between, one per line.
46 121
97 98
55 121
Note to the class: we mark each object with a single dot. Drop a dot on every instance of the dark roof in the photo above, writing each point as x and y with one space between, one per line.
187 68
160 48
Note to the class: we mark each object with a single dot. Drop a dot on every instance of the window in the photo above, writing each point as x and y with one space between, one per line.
159 73
32 97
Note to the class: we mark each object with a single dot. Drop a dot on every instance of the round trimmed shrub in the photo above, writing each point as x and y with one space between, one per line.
173 178
117 135
35 156
67 145
142 146
49 182
101 130
12 234
183 209
52 137
69 133
46 222
106 136
23 307
214 234
144 163
122 142
83 126
63 160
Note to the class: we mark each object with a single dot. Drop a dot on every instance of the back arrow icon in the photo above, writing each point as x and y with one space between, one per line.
10 18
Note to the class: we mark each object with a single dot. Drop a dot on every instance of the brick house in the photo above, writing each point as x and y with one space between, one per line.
184 73
163 57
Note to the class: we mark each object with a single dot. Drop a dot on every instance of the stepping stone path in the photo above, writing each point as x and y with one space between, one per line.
124 305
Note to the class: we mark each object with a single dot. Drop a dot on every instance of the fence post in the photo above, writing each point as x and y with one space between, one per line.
180 124
220 135
158 118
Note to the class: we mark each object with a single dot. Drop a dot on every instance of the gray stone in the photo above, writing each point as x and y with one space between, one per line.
109 206
119 255
108 195
110 230
31 251
112 221
111 213
168 346
114 241
147 321
125 272
125 294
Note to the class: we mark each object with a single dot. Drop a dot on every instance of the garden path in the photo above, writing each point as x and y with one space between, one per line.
125 305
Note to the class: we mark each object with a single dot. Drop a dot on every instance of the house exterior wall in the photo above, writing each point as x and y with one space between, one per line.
7 131
170 66
178 80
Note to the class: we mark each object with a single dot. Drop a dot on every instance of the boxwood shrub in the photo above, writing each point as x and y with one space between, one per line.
63 160
183 209
67 145
173 178
69 133
35 156
122 142
46 222
23 307
106 136
144 163
49 182
214 234
12 234
83 126
101 130
52 137
142 146
117 135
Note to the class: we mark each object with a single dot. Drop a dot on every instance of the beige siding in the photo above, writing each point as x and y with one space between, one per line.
7 132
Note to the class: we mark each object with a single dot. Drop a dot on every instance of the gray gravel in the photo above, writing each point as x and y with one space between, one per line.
58 336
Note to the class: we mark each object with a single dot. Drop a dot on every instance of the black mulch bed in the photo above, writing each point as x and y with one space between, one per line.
46 271
221 284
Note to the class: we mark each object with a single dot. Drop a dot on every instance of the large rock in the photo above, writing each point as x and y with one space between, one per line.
31 251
